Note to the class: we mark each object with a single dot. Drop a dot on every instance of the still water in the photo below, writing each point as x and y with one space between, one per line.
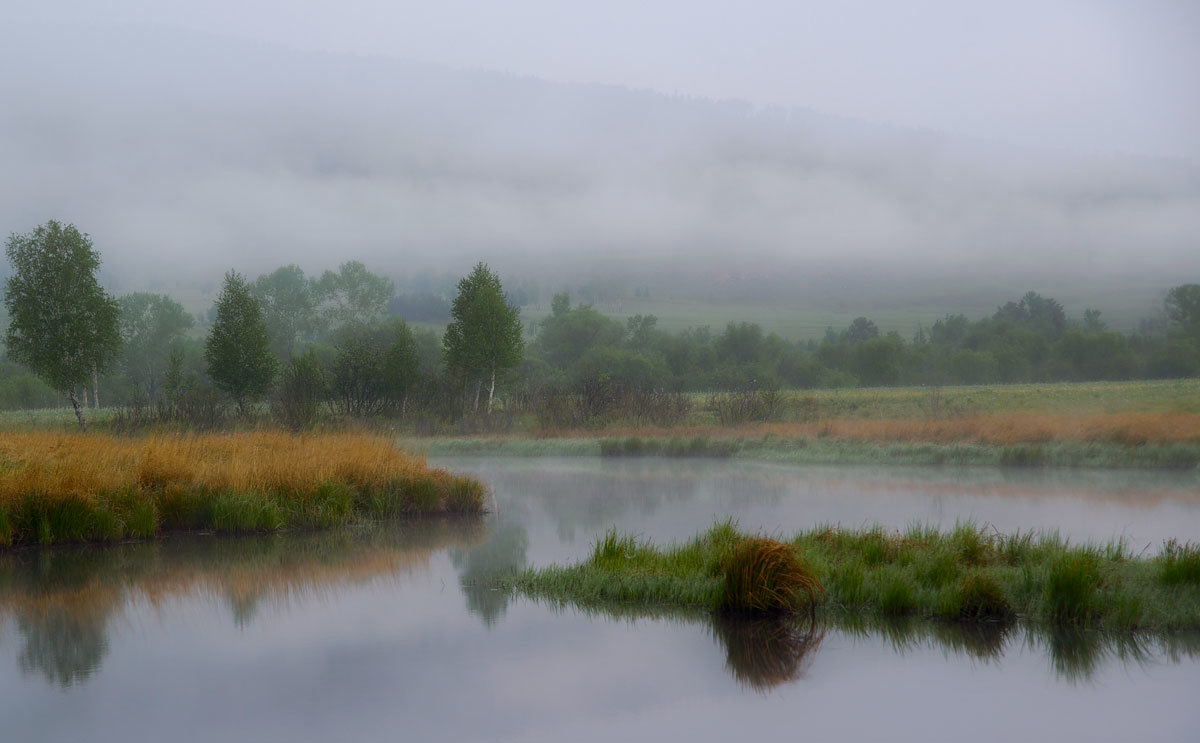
393 633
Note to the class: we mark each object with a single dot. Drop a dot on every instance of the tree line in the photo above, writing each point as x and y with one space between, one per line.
339 342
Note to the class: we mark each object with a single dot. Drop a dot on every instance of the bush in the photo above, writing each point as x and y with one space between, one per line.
302 387
746 405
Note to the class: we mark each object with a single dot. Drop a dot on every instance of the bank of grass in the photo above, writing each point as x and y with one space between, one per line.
1110 424
58 487
1181 455
967 574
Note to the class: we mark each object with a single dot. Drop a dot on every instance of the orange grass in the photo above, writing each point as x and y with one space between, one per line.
764 575
83 487
1130 428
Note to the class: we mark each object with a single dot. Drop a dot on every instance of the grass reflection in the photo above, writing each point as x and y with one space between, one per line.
64 600
762 653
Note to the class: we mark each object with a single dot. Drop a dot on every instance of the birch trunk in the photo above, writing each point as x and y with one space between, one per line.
78 411
95 390
478 387
491 391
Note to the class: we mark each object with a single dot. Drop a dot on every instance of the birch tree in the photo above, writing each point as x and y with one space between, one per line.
484 337
62 324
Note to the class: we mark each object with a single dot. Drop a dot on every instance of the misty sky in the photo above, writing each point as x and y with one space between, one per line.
1093 75
919 139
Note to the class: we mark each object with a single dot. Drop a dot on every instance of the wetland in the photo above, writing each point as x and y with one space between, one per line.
365 631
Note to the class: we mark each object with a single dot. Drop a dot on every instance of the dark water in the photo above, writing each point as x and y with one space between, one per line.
393 634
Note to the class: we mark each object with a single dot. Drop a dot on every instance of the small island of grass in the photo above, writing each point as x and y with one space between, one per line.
57 487
969 573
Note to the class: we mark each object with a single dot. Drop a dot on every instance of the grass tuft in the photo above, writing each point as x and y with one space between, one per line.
763 575
1071 586
1179 563
983 598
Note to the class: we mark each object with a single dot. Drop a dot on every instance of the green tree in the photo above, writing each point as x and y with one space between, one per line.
352 296
150 326
375 368
302 386
484 335
288 300
567 334
238 350
62 324
1183 307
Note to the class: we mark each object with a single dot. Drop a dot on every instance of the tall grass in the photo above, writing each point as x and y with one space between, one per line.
966 574
765 576
1177 563
59 487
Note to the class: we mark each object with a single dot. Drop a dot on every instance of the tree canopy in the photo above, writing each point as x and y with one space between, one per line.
150 325
238 350
62 324
485 333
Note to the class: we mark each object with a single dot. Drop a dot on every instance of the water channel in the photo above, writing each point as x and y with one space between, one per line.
396 633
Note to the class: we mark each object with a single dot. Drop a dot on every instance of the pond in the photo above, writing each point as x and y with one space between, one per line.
394 632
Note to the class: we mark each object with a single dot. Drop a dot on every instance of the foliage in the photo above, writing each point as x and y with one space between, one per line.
484 337
151 324
62 324
567 334
374 368
303 385
288 300
352 296
238 351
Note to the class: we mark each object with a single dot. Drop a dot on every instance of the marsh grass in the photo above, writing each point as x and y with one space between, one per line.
675 446
79 488
1179 563
762 575
802 449
969 573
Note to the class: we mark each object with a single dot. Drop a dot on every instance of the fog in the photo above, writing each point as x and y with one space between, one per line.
186 152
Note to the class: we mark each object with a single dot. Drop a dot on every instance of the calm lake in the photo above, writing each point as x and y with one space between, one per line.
392 633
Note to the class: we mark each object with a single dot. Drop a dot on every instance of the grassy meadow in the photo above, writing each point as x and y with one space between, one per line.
1111 424
969 573
1149 424
60 487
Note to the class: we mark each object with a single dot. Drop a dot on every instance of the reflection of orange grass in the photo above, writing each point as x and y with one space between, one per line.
1008 428
90 464
244 579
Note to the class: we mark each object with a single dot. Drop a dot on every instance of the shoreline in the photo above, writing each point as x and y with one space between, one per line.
1066 454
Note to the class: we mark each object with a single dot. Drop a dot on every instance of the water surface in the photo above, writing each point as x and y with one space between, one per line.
394 632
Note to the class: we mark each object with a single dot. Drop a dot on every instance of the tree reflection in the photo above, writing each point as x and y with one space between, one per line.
501 554
62 600
64 646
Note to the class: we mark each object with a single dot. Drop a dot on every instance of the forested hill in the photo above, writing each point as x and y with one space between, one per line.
187 154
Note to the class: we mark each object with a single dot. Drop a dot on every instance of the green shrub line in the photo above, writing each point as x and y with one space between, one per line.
969 573
142 512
